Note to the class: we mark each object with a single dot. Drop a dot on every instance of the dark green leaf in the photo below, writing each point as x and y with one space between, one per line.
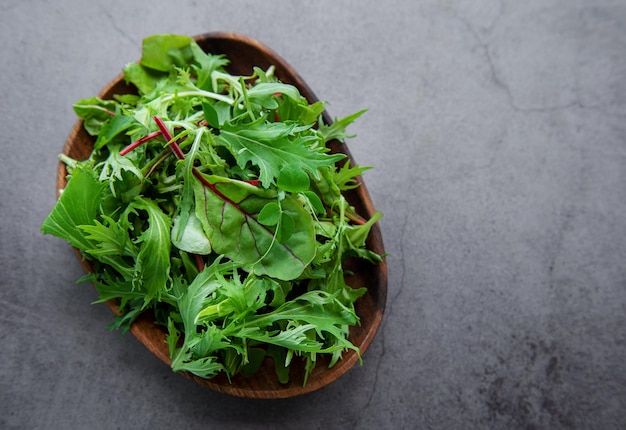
229 212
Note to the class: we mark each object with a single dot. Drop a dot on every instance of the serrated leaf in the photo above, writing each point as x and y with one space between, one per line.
337 130
77 205
270 156
153 260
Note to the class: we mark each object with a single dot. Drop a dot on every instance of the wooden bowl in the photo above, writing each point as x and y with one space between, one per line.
244 53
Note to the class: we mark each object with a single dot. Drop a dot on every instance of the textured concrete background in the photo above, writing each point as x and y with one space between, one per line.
498 134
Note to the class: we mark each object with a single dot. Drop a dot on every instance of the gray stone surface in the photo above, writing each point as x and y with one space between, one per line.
498 134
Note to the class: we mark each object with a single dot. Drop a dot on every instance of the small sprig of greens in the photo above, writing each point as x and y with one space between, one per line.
213 201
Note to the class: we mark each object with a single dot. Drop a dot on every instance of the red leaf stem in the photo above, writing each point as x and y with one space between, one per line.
199 262
169 138
179 154
355 218
139 142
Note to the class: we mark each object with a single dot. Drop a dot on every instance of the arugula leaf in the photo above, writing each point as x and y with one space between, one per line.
205 65
337 130
153 260
110 239
265 93
271 155
345 177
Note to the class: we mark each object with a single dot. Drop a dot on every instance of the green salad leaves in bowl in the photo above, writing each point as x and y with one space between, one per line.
217 210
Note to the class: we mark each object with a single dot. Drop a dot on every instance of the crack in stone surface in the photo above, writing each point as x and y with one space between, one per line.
116 27
502 83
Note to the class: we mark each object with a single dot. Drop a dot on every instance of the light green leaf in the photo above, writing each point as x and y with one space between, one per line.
77 205
162 51
293 178
337 130
153 260
190 237
95 112
270 214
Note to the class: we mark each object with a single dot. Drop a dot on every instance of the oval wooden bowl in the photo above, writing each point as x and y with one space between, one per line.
244 53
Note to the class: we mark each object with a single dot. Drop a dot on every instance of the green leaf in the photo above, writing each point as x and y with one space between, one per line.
346 176
77 205
358 234
109 289
153 260
293 178
315 201
286 227
337 130
146 80
229 212
317 310
279 355
255 359
190 237
172 337
112 128
95 112
294 338
205 367
272 155
162 51
211 115
194 298
110 239
264 93
205 65
270 214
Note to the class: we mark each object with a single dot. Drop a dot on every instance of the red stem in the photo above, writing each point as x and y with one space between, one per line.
168 137
179 154
199 262
139 142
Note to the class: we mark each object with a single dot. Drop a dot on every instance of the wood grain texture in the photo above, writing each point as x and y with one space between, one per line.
244 53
